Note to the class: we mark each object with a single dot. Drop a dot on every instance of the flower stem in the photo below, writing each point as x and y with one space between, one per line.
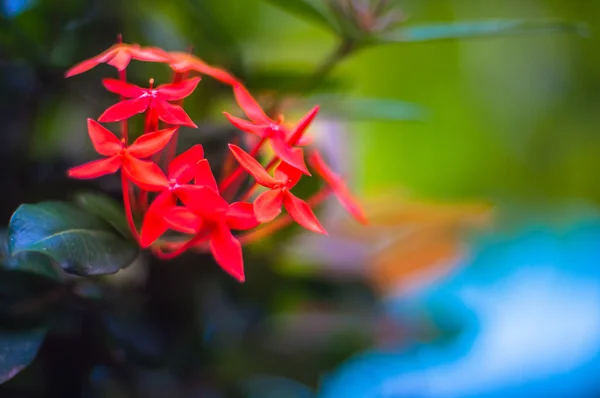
124 125
229 180
345 48
199 237
127 204
269 167
171 149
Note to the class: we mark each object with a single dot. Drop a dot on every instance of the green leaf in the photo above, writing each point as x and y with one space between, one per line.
17 351
82 243
458 30
106 208
355 108
32 262
309 10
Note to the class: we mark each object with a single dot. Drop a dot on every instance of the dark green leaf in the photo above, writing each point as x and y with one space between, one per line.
310 10
32 262
17 351
368 108
106 208
458 30
80 242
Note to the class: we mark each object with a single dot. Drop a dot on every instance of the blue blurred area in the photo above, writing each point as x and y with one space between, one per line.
528 306
13 8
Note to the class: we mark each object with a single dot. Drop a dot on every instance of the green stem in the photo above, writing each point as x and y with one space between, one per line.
345 48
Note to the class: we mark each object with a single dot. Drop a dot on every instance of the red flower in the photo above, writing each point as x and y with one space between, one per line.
182 170
119 56
265 127
183 62
338 186
154 100
107 144
211 218
267 205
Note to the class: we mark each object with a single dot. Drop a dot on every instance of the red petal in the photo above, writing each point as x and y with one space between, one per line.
97 168
323 170
183 168
252 166
88 64
205 176
149 54
249 105
227 251
267 205
300 211
289 174
302 125
146 175
180 66
342 193
151 143
182 220
124 110
120 60
104 141
83 66
305 140
177 91
240 216
184 62
122 88
154 224
288 155
203 201
338 186
172 114
218 74
245 125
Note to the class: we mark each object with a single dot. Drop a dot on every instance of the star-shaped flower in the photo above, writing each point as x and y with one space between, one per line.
155 100
119 155
182 170
260 124
268 204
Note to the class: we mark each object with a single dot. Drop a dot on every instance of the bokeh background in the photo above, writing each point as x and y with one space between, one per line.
476 159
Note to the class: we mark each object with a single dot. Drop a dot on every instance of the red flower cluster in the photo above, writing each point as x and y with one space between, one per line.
186 196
